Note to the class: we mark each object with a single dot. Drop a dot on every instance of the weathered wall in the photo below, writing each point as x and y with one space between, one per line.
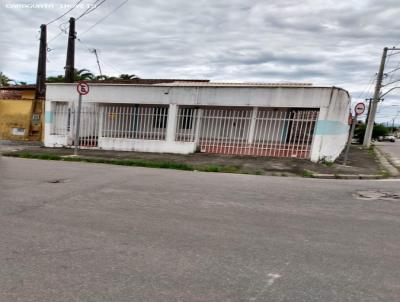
333 103
15 118
332 128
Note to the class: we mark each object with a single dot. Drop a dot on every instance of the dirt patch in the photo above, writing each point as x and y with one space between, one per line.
361 161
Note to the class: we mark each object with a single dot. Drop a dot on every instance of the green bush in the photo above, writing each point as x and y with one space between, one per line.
379 130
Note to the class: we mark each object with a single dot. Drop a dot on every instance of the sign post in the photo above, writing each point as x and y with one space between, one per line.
83 89
358 110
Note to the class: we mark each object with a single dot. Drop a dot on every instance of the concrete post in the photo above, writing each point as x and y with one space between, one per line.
48 123
252 125
171 122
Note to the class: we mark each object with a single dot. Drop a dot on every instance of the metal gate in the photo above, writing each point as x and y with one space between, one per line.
276 132
64 123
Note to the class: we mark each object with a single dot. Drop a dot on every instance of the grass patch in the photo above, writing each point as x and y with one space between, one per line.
371 151
131 162
385 174
307 173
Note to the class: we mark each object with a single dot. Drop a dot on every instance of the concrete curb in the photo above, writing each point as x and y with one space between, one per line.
348 176
385 162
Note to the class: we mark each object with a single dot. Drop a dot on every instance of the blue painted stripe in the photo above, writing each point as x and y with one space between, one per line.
326 127
48 116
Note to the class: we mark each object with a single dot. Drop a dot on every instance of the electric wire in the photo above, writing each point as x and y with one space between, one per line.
105 17
59 17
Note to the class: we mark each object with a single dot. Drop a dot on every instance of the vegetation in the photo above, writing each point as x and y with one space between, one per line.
131 162
4 80
86 75
378 130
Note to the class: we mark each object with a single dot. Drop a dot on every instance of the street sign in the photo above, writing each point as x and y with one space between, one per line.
359 108
82 88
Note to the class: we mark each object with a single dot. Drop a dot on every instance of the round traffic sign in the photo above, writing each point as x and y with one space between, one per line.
359 108
82 88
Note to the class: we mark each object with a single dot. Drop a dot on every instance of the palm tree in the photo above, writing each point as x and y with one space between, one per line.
83 74
125 76
79 75
4 80
56 79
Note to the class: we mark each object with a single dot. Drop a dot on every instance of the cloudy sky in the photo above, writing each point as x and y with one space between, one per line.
322 42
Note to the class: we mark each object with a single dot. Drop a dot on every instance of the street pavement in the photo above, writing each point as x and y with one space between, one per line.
92 232
392 150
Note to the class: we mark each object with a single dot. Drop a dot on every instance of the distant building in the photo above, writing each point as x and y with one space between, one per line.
258 119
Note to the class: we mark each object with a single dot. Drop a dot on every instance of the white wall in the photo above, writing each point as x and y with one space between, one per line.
332 128
309 97
330 133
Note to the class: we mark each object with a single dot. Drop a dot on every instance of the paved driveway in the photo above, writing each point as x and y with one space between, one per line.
88 232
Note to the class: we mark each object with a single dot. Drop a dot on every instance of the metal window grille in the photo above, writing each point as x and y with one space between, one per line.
271 132
61 119
134 122
186 124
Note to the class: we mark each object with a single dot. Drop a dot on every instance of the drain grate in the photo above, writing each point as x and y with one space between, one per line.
376 194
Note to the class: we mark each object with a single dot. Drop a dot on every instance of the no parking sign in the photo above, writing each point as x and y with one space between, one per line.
82 88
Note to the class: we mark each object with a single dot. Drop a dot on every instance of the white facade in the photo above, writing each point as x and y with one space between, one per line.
283 120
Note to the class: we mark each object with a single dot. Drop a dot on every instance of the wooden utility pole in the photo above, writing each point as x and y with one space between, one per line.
375 100
70 63
41 67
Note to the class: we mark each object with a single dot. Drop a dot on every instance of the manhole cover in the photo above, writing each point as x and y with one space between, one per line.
376 194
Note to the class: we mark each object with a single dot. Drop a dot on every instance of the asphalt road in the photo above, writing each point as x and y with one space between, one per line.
392 149
88 232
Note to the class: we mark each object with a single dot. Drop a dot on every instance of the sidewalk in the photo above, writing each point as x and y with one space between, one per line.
361 164
391 151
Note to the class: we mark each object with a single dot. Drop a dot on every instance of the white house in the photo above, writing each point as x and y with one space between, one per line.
280 120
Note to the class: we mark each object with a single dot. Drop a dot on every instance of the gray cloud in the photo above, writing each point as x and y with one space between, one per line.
332 42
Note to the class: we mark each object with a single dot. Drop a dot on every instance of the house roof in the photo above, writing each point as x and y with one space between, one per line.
231 84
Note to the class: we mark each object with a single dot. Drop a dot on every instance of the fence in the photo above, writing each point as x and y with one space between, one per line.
134 122
282 132
110 121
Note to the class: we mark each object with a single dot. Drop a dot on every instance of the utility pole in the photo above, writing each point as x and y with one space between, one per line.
41 67
374 104
369 110
97 59
70 63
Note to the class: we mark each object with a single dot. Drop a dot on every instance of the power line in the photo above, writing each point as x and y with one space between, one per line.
371 82
91 9
59 17
105 17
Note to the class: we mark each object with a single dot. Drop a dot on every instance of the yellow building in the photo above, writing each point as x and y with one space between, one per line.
20 113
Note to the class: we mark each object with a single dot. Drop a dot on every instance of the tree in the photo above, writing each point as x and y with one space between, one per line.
4 80
79 75
125 76
378 130
56 79
82 75
85 74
